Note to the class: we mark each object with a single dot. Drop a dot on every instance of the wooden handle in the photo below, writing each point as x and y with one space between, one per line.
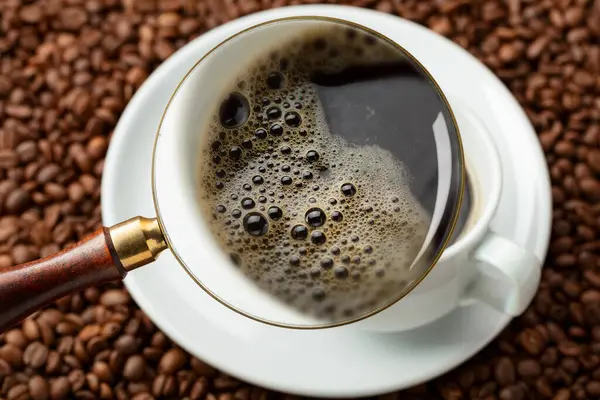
27 287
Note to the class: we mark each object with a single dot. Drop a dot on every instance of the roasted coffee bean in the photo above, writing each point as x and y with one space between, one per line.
199 388
31 329
172 361
89 332
18 391
38 388
134 369
164 385
5 368
59 388
593 388
92 382
76 379
102 371
35 355
113 298
137 388
225 383
126 345
16 338
142 396
53 363
116 361
529 368
504 372
159 340
106 391
17 201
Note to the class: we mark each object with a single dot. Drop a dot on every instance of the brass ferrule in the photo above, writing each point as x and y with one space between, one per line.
137 241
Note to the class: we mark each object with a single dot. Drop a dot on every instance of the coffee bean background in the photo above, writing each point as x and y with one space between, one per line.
69 67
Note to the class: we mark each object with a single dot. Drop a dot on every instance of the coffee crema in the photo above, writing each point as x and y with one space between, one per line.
325 225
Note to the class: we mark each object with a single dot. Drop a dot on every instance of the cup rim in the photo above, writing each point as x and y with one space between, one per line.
455 212
488 209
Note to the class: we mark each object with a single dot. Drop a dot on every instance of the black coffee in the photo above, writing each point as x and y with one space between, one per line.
307 174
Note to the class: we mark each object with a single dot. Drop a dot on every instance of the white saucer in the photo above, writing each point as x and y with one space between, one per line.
338 362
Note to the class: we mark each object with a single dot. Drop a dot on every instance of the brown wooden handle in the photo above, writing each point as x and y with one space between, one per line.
28 287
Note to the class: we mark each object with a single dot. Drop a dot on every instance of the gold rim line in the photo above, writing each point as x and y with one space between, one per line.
456 210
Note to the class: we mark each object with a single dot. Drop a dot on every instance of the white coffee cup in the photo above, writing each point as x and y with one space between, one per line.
481 265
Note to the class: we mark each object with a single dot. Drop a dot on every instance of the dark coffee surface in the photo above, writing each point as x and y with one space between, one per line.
394 107
99 344
349 226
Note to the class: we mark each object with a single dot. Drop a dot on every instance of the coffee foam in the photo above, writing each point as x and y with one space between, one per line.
283 163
